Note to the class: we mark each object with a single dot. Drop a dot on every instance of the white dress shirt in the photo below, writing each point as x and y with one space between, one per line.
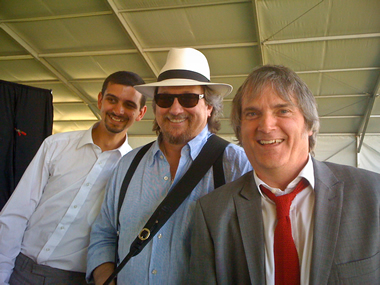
50 213
302 219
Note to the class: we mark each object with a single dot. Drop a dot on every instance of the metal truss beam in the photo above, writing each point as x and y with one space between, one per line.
318 39
134 38
258 31
47 65
56 17
181 6
363 128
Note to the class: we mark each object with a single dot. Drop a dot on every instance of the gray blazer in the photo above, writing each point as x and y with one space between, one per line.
228 240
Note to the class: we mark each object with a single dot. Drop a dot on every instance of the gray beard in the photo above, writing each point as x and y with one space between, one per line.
177 140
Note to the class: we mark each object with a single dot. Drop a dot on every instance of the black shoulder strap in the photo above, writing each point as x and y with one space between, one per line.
210 152
128 176
218 171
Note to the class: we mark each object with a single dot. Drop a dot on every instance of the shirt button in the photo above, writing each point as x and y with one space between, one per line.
160 236
75 206
154 271
87 184
161 157
62 228
48 249
166 178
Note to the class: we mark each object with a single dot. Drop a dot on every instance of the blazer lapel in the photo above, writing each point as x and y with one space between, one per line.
248 208
327 214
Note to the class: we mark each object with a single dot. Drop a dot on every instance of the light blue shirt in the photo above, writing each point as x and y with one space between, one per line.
165 260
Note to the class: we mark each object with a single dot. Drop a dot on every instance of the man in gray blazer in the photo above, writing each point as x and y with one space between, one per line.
334 222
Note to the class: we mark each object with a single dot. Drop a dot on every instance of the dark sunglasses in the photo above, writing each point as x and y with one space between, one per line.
188 100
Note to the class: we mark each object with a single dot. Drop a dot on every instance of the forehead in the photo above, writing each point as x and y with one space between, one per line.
123 92
266 95
180 89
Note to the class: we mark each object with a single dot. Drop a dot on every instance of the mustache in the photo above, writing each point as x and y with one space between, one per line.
176 117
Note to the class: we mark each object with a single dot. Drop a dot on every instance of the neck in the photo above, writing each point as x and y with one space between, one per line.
173 154
281 180
107 140
279 177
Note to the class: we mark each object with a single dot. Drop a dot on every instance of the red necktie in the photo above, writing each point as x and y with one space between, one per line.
287 269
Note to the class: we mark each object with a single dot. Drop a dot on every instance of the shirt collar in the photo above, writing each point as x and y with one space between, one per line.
155 151
87 139
195 145
125 147
307 172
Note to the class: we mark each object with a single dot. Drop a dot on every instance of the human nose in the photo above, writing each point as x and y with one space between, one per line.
267 123
119 109
176 107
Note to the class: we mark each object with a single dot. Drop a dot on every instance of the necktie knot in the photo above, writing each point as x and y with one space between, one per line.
283 202
283 205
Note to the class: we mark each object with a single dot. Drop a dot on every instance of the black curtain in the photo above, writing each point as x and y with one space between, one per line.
26 114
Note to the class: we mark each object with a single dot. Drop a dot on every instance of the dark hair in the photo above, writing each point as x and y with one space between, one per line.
287 84
126 78
212 99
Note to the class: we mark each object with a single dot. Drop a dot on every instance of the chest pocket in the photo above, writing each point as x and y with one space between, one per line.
365 271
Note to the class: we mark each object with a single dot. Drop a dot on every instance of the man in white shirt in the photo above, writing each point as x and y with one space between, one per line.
331 227
45 225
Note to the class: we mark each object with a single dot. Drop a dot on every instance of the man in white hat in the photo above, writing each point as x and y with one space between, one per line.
187 107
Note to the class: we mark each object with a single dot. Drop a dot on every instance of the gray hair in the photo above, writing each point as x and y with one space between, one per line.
287 85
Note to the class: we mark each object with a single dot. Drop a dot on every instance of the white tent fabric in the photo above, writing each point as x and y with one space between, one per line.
343 149
369 157
338 149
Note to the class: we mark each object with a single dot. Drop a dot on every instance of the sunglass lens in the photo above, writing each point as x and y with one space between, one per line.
164 100
188 100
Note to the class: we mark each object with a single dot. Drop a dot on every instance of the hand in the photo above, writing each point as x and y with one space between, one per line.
102 272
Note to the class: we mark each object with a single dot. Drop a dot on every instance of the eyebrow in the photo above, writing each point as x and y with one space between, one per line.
285 105
129 101
277 106
249 109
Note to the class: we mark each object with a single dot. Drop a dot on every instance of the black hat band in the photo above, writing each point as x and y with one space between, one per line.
181 73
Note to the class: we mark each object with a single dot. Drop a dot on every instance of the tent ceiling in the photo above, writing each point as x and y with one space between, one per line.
71 46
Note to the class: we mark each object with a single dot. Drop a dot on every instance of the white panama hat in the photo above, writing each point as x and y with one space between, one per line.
184 67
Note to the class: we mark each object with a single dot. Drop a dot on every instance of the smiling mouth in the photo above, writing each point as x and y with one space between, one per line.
117 119
266 142
176 121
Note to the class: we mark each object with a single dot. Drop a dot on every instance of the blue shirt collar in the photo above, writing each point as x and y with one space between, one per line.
195 145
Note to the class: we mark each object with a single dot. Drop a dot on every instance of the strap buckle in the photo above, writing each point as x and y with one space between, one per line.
144 234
